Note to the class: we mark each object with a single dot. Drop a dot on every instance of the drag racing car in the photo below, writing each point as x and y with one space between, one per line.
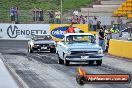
41 42
79 47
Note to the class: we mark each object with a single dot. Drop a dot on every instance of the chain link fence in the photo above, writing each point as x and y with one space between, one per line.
27 16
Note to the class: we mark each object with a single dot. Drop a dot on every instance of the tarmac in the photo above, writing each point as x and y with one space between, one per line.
6 79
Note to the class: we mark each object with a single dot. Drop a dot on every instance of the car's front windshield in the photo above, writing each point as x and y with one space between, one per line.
80 38
41 37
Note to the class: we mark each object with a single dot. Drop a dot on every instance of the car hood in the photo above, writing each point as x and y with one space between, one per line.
83 46
43 42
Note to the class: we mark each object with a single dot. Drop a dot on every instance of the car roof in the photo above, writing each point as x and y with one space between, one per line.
78 34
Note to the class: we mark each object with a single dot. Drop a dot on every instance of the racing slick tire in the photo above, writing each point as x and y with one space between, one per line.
30 50
60 61
66 62
99 62
91 62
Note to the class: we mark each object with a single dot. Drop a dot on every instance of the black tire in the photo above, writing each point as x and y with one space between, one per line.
60 61
66 62
91 62
99 62
52 50
30 50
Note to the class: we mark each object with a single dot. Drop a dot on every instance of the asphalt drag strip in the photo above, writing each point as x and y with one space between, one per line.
41 70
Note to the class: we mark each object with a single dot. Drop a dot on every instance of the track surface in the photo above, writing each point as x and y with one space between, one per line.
41 70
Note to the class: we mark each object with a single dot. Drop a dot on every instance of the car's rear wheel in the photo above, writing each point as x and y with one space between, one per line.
30 49
99 62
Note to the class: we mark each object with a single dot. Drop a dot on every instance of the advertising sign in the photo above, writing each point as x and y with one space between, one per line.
22 31
58 30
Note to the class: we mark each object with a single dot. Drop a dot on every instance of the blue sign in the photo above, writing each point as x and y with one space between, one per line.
59 32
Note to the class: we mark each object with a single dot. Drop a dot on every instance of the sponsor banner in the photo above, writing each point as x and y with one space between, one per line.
22 31
82 77
58 30
103 78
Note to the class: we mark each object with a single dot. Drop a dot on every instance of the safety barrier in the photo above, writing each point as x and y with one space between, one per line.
120 48
24 31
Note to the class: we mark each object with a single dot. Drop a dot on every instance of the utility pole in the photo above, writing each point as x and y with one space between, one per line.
61 10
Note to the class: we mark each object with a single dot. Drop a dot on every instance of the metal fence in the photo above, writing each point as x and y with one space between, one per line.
26 16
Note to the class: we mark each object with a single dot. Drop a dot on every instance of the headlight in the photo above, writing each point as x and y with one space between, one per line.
100 51
51 44
68 52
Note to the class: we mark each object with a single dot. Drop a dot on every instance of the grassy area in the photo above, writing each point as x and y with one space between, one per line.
72 4
26 7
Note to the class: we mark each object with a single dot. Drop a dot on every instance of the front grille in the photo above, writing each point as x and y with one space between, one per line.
42 45
84 52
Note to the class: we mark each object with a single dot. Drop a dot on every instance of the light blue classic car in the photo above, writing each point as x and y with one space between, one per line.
79 47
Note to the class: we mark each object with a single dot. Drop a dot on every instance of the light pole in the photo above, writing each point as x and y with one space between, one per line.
61 11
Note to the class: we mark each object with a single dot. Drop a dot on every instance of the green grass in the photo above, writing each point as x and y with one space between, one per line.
73 4
26 7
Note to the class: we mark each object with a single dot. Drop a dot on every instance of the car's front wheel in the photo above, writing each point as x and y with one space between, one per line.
30 49
66 62
99 62
91 62
60 61
52 50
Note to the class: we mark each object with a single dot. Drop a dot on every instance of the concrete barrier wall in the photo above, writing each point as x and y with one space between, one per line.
105 20
106 6
112 2
96 14
100 9
120 48
24 31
